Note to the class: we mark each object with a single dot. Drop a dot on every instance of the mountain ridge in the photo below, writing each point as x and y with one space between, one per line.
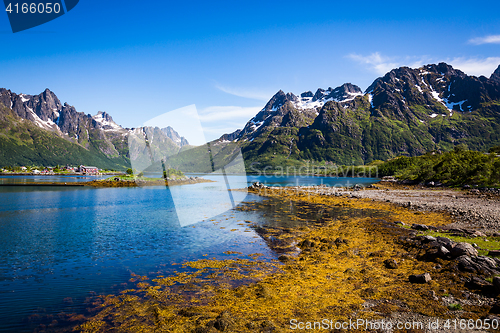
99 135
408 111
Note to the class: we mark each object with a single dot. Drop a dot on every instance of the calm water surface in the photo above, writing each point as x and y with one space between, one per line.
59 246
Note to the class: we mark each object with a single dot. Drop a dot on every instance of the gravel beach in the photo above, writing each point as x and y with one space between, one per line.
470 209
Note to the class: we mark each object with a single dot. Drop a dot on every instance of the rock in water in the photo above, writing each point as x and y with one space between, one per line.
391 264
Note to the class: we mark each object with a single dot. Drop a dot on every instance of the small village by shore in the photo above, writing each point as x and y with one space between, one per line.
56 170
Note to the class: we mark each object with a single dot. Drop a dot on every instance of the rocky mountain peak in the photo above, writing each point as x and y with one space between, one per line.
495 77
444 69
347 91
106 122
104 115
320 93
174 136
278 100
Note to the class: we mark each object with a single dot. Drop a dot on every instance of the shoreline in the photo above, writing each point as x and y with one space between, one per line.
60 174
113 183
362 267
469 208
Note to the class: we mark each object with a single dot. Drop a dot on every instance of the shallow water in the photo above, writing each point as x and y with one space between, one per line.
59 246
51 179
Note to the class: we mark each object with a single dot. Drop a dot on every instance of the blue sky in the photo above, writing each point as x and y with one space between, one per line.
139 59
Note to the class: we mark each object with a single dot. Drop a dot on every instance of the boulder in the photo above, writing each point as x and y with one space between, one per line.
479 264
420 278
420 227
446 242
257 185
428 239
476 282
496 283
463 249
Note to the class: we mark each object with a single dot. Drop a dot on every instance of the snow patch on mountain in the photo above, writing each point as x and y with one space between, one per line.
307 103
49 124
23 99
108 125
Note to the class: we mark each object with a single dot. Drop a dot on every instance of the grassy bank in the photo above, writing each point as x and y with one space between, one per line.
458 167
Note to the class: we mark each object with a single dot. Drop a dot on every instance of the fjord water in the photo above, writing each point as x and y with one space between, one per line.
59 245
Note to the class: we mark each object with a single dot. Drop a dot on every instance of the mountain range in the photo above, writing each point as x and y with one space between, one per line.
40 130
408 111
405 112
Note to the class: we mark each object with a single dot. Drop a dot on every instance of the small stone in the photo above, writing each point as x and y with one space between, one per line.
391 263
223 321
284 258
420 278
478 233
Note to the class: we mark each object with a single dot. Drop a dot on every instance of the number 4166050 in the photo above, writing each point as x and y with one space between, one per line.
34 8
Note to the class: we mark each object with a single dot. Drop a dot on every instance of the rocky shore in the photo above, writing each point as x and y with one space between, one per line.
477 209
460 278
349 258
118 182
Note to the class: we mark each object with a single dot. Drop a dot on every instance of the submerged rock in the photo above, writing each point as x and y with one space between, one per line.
390 263
223 321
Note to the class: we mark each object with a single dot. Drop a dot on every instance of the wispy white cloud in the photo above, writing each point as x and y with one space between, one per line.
382 64
475 66
228 113
492 39
375 61
246 92
218 120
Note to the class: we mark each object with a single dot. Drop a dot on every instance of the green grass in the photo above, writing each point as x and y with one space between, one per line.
485 243
455 307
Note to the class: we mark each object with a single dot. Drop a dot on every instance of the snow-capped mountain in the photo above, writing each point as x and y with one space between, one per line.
405 112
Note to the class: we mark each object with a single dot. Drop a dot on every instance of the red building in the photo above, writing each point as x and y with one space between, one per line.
88 170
